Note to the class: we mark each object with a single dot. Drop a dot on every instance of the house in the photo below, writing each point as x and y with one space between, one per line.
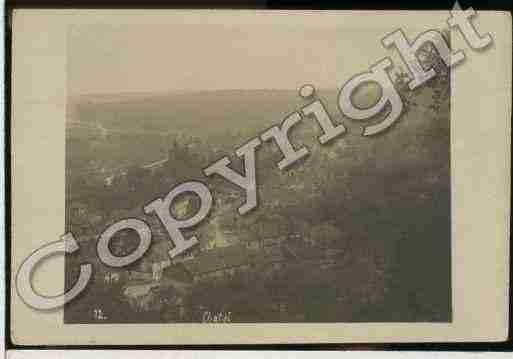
225 262
137 276
141 295
111 278
220 262
297 186
154 166
144 293
183 257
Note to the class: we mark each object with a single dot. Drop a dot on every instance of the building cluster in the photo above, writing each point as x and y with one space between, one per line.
159 281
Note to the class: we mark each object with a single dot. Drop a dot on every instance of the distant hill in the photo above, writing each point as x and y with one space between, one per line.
136 127
193 113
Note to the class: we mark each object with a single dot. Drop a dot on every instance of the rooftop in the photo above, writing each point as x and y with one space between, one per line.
219 258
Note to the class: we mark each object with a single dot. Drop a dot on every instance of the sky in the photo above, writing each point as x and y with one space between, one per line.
107 58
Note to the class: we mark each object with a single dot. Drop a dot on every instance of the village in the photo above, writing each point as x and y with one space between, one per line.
157 283
239 257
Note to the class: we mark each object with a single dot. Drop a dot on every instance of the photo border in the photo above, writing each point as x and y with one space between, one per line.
17 4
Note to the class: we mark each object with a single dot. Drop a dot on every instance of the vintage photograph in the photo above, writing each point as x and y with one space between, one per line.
255 177
356 230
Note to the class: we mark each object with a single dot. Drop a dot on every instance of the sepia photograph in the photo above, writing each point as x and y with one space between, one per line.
248 177
348 233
